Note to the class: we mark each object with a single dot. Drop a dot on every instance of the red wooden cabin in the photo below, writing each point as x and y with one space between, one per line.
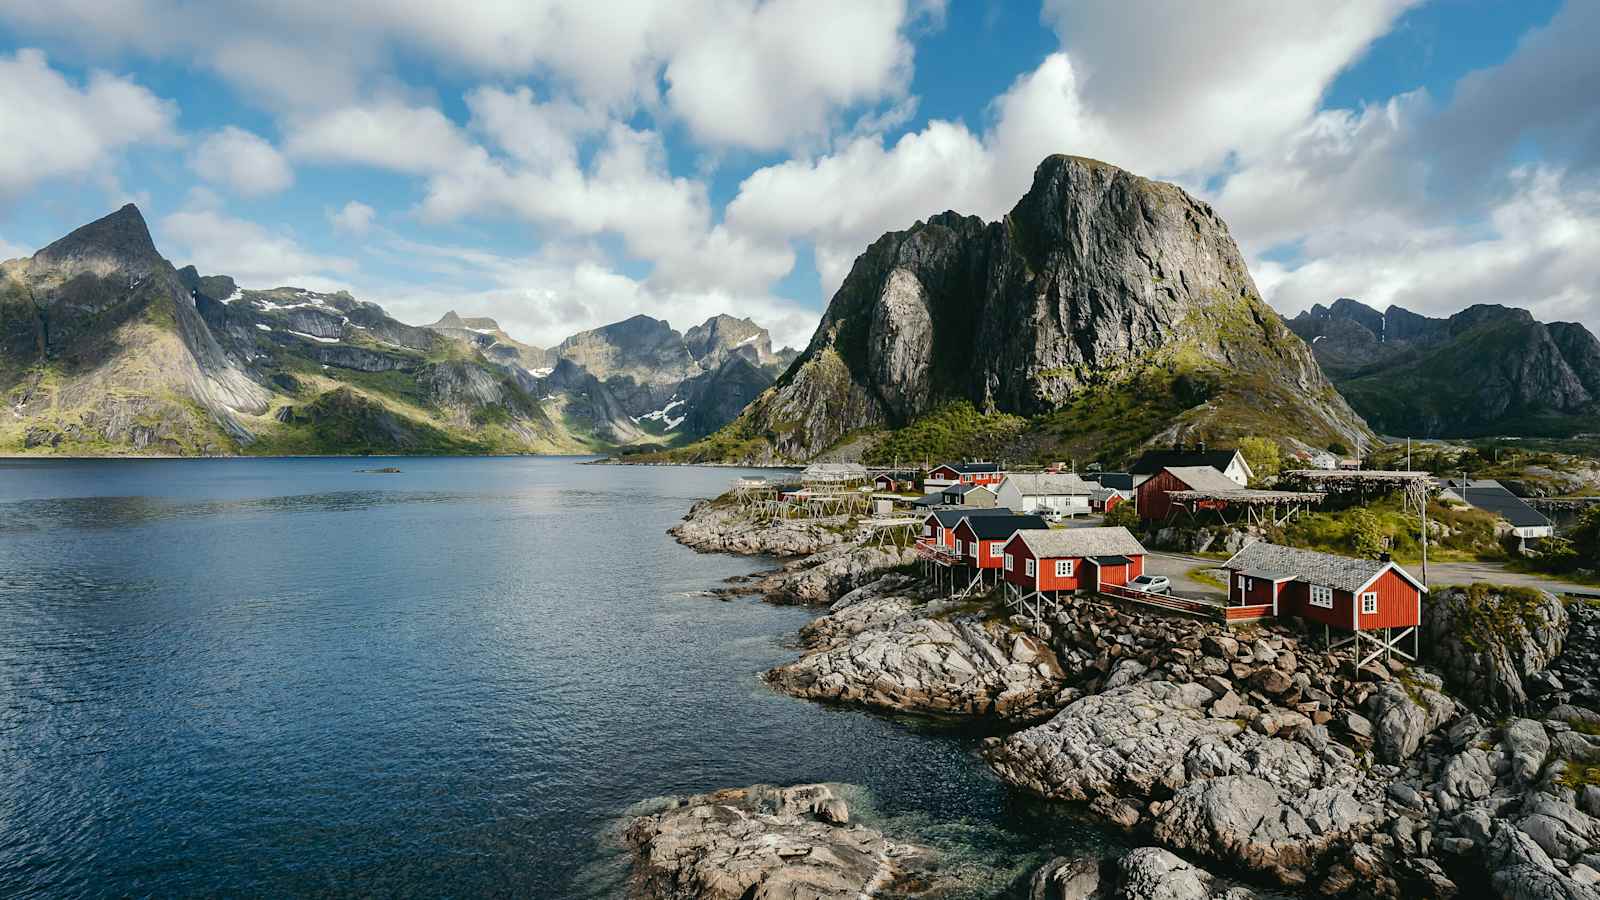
1352 595
1154 503
1071 559
963 473
939 527
980 540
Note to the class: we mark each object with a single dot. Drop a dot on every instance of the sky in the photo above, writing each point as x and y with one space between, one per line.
562 164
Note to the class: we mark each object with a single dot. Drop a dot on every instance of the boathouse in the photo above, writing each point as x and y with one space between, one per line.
1071 559
1376 601
938 527
948 474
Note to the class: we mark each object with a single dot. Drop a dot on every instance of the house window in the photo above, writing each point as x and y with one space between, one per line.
1322 596
1241 582
1249 584
1369 603
994 551
1063 568
961 547
1030 568
927 531
1010 563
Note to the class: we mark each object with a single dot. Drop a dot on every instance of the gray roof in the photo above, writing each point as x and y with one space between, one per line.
1060 542
993 528
1492 496
964 489
950 517
1267 560
971 468
1154 461
1045 484
1204 478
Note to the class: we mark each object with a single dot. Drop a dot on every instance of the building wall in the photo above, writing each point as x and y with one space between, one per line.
1397 603
1256 592
1154 504
982 560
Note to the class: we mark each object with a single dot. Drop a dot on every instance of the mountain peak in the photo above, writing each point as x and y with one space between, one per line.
120 240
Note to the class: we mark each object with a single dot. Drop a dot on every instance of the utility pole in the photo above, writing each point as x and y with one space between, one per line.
1408 454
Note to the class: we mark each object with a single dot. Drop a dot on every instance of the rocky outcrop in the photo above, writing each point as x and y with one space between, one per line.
893 653
764 843
720 527
1487 640
1403 713
1095 276
1151 873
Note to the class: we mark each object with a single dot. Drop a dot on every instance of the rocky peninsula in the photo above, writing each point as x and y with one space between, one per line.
1254 752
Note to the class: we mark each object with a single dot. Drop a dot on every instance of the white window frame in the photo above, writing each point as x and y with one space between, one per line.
1322 596
1030 568
961 547
1369 603
1241 582
1249 584
995 550
1011 564
1064 568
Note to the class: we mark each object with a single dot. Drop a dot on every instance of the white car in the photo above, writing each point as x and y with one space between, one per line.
1152 584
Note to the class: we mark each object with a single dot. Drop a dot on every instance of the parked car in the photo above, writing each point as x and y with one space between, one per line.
1152 584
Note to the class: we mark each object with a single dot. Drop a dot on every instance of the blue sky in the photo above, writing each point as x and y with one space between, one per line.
558 165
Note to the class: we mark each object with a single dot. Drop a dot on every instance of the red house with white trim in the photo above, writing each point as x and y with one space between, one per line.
939 527
981 540
1071 559
1155 504
950 474
1359 596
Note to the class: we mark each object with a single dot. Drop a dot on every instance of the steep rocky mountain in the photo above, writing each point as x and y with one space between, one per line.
1106 311
486 335
1485 370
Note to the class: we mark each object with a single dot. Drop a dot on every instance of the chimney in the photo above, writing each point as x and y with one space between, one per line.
1385 557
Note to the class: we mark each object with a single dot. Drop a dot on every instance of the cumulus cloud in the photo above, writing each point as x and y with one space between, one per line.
244 162
389 135
253 255
54 128
354 218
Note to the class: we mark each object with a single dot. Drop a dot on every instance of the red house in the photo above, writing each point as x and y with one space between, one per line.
980 540
1155 505
1365 597
1071 559
939 527
963 473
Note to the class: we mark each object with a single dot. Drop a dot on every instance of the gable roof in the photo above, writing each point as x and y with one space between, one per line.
993 528
1344 573
970 468
1066 542
965 489
1203 478
1122 481
949 518
1042 484
1154 461
1492 496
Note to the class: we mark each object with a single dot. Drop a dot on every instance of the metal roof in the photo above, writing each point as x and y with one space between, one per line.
1204 478
1154 461
1262 559
949 517
993 528
969 468
1048 484
1492 496
1065 542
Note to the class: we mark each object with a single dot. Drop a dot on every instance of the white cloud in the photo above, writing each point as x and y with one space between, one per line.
245 162
354 218
253 255
548 296
53 128
388 135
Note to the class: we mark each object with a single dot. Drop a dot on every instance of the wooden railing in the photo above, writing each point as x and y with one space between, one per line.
944 556
1212 611
1248 613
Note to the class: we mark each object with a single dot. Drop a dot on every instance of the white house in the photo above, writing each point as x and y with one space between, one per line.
1063 493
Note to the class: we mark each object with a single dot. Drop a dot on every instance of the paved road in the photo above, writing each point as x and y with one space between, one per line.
1177 565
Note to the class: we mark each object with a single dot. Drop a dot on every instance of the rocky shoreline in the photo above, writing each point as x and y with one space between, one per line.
1255 752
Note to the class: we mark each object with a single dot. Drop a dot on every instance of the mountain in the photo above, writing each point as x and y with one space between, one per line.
1106 311
1486 370
105 347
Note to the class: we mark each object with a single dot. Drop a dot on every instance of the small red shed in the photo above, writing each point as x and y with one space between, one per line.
1071 559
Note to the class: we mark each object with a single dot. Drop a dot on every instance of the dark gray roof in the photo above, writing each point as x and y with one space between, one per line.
993 528
964 489
1492 496
949 517
1122 481
930 499
1345 573
971 468
1155 460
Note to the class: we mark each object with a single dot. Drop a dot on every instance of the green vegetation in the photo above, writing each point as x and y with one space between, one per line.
1461 534
1576 775
954 431
1264 457
1576 552
1123 514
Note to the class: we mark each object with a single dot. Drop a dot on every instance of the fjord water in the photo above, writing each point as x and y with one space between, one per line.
270 677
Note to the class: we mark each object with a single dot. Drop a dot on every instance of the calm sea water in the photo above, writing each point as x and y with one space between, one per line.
271 677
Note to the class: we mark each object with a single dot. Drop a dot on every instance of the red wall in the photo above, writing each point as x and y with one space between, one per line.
1397 603
1258 593
1154 504
1082 576
964 532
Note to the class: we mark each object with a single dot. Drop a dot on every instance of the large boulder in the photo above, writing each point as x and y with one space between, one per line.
1151 873
1486 640
1403 713
764 843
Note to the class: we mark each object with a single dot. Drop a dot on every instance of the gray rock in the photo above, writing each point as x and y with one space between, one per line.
1527 746
1404 714
1066 879
1486 641
1151 873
